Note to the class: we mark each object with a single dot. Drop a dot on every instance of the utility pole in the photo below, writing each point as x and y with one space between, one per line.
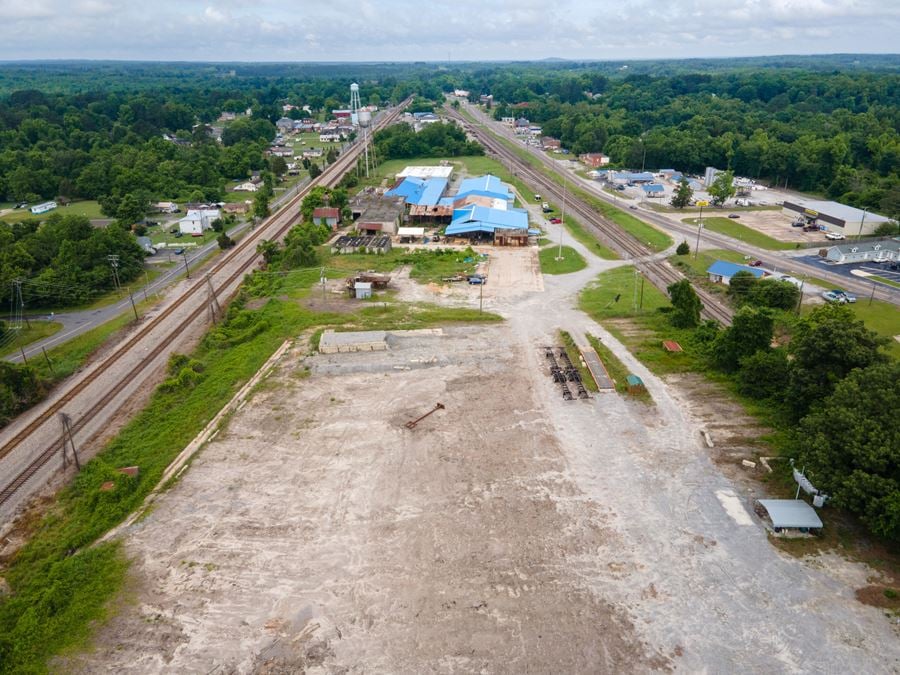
133 308
861 223
67 439
872 296
211 300
322 282
186 268
114 263
481 296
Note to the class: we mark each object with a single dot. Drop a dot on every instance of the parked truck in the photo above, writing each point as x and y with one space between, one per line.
546 207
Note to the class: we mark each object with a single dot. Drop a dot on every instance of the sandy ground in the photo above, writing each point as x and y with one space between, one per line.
511 532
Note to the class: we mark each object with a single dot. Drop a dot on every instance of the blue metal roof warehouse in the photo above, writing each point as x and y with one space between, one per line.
419 191
488 186
474 218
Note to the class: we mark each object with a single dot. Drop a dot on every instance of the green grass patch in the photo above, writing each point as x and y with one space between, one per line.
599 298
883 280
60 584
571 260
731 228
581 235
37 330
617 370
91 209
574 354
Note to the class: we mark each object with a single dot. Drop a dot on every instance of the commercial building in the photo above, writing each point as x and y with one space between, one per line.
834 216
878 251
476 220
653 190
427 172
486 186
376 214
419 191
720 272
594 159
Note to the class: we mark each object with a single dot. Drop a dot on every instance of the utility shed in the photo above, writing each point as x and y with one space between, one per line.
791 514
635 384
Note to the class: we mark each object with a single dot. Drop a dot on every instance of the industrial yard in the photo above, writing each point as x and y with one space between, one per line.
509 531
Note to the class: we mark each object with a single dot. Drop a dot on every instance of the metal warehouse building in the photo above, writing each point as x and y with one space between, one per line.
837 217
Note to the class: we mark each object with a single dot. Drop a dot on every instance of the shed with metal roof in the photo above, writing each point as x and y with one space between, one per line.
721 271
791 514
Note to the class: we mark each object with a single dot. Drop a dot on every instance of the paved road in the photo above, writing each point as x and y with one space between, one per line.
780 261
77 323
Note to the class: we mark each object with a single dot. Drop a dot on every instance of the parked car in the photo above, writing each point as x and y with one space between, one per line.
810 228
831 296
556 221
835 236
621 188
22 205
848 297
633 207
179 234
537 198
174 230
733 215
756 263
798 223
178 251
477 280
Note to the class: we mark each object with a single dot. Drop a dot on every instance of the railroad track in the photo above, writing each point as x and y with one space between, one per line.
237 262
659 272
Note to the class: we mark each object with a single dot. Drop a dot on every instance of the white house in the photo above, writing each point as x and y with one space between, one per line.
330 138
196 222
246 187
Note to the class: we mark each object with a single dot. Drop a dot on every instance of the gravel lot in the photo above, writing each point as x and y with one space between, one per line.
510 532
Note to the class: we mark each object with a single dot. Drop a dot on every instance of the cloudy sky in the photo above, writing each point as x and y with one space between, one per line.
412 30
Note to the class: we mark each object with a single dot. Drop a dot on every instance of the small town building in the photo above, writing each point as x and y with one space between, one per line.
37 209
634 384
362 290
521 126
720 272
376 214
550 143
876 251
197 221
236 208
330 137
443 171
327 215
653 190
505 237
508 121
166 207
834 216
362 244
486 98
476 221
285 125
146 245
461 93
409 235
419 191
486 186
249 186
594 159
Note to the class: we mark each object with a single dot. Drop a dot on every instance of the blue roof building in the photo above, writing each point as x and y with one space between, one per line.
473 218
487 186
720 271
419 191
654 189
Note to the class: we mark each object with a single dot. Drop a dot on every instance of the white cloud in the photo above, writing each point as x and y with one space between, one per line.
464 29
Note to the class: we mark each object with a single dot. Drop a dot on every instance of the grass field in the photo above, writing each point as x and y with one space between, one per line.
91 209
571 262
616 370
881 317
695 267
26 335
599 298
60 581
731 228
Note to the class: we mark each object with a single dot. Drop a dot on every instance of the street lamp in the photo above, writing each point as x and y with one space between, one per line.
644 155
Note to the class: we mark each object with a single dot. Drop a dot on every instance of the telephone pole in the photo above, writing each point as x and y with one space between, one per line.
114 263
211 300
67 439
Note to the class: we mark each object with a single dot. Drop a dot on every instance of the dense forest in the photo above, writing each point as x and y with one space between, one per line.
835 133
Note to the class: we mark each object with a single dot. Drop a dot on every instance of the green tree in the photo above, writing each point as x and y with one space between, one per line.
314 171
278 165
774 293
740 286
683 194
750 332
268 250
826 345
261 204
850 443
224 241
686 304
683 248
218 225
131 209
722 188
764 374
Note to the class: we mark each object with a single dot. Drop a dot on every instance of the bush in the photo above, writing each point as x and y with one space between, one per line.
224 241
683 248
763 374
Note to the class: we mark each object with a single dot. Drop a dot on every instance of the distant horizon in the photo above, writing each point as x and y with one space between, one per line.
559 59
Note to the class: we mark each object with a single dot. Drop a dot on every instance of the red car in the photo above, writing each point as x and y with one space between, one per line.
555 221
756 263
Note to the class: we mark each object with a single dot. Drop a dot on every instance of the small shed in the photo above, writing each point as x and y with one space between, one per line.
635 384
504 237
410 234
325 215
791 514
721 271
362 290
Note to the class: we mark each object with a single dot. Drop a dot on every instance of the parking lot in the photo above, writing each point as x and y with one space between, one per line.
858 271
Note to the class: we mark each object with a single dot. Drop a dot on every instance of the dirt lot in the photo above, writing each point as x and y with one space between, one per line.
510 532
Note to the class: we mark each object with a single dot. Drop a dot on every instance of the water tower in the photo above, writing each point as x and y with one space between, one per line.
365 120
354 104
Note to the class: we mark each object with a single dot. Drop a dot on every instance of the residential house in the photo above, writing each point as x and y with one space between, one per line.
249 186
508 121
146 245
313 153
196 222
165 207
520 126
330 137
484 99
285 125
236 208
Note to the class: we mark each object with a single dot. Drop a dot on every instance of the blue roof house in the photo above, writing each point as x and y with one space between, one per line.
720 272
